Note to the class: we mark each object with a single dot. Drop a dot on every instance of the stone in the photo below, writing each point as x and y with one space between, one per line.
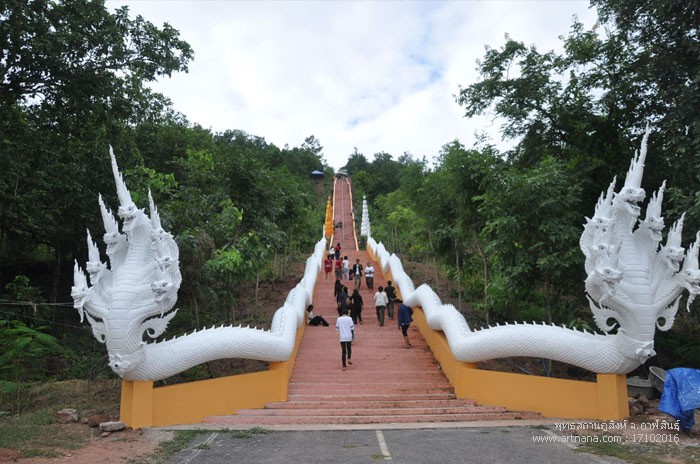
96 420
67 416
112 426
644 401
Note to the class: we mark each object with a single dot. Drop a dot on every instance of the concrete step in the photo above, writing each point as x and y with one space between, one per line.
369 419
355 397
404 392
371 404
387 377
415 411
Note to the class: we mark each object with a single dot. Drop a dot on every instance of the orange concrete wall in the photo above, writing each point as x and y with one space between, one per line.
189 403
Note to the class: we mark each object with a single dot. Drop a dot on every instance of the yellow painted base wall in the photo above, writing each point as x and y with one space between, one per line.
605 399
189 403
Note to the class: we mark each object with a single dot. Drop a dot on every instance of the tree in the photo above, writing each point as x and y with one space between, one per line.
532 230
73 80
23 353
75 54
588 105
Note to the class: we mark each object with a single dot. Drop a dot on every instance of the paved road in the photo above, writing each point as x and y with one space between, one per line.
419 446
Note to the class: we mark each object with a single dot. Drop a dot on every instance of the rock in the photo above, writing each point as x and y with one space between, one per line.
96 420
644 401
112 426
66 416
635 410
106 434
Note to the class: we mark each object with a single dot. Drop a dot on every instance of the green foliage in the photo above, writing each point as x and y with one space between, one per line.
23 353
23 350
75 79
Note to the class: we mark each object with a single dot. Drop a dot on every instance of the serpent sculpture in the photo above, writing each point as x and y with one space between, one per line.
632 281
134 297
633 286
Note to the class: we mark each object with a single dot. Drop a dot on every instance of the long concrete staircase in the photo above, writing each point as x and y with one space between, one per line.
386 383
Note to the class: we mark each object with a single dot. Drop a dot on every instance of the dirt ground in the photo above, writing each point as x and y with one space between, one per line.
118 448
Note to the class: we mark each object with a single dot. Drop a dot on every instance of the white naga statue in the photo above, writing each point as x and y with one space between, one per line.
634 286
133 298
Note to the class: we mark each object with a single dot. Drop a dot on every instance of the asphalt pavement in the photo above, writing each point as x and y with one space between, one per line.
400 446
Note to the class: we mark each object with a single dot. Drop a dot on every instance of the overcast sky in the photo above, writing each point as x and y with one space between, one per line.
379 76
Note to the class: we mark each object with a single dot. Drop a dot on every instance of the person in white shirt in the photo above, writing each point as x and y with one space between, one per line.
369 276
346 268
380 302
345 328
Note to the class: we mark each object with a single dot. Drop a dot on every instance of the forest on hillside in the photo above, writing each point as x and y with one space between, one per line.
504 226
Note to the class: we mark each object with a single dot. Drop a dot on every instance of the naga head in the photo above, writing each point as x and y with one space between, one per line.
609 275
672 253
632 193
644 352
653 223
123 363
602 216
133 297
80 290
689 276
629 199
131 215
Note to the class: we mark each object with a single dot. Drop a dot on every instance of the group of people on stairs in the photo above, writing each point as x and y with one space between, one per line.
350 305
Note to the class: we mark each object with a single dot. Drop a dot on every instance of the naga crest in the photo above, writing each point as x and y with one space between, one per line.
632 280
134 294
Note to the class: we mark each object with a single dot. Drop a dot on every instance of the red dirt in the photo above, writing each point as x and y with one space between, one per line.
117 448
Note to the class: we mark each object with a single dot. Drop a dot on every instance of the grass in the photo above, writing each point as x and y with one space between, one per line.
250 432
644 453
181 440
35 432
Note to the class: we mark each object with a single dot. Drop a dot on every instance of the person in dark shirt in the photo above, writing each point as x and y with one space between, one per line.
357 305
405 318
391 295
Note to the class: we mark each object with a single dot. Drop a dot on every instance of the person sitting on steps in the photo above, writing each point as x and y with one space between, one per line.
314 320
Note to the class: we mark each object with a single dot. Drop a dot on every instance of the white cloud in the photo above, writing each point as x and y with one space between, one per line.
379 76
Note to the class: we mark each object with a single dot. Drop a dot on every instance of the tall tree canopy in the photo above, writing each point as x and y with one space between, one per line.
73 80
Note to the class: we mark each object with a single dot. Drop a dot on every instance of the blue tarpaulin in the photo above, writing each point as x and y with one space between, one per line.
681 395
